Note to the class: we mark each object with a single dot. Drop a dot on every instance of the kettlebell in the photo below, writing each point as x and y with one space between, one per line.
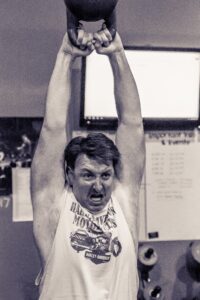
147 259
90 11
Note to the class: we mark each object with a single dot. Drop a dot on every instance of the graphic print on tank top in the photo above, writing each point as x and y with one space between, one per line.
95 235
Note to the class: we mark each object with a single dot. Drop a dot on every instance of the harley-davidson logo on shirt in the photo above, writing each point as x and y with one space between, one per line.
94 234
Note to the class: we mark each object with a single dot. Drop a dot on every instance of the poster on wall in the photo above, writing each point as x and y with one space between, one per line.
22 207
173 185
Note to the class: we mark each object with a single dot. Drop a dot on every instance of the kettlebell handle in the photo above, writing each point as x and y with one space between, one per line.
73 25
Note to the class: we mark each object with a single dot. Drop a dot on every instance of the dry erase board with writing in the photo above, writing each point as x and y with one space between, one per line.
172 186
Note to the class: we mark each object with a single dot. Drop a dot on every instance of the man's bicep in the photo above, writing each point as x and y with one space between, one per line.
48 163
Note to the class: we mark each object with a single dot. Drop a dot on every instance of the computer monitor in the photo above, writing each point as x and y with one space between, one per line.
167 81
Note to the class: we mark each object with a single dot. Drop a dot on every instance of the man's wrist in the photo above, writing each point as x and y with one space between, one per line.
66 55
117 56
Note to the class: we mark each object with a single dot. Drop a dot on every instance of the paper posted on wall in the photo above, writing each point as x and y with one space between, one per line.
173 186
22 207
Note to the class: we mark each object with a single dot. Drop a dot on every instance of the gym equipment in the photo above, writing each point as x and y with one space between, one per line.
147 258
90 11
193 260
153 292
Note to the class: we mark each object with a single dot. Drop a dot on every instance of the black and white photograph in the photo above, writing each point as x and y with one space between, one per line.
100 150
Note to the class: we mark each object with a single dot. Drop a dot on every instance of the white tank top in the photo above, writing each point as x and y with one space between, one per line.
92 257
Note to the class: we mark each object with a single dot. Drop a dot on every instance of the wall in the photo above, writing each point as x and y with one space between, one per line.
30 34
19 262
163 23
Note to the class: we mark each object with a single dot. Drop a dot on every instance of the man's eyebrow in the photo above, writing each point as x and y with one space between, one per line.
107 170
93 169
84 169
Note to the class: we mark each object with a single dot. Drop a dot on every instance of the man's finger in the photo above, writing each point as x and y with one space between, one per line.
108 34
97 37
90 46
80 36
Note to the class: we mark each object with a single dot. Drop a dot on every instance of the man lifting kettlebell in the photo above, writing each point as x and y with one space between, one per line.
85 190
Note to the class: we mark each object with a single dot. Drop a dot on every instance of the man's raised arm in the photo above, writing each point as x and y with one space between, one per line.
47 171
129 135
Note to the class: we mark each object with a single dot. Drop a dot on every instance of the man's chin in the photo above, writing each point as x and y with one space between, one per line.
96 205
94 208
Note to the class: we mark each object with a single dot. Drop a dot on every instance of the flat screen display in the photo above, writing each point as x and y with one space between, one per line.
167 81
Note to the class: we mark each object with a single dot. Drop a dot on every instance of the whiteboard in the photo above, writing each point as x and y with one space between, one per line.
172 186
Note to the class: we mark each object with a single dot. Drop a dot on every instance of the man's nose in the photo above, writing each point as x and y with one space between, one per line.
98 185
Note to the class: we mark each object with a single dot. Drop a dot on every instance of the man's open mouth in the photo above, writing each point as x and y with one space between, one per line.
96 198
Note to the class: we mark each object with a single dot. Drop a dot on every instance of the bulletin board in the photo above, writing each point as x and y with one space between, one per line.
170 202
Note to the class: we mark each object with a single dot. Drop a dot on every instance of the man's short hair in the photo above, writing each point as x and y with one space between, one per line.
96 146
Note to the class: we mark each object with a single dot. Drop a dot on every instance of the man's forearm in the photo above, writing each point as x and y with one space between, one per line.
125 89
59 93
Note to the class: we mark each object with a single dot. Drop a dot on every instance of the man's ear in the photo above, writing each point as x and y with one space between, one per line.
70 176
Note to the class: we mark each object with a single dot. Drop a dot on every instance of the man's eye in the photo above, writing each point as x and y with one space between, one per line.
87 176
106 176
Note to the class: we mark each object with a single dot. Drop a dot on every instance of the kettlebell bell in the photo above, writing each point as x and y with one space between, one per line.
90 11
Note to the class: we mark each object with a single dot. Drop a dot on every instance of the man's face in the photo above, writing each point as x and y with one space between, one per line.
92 183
